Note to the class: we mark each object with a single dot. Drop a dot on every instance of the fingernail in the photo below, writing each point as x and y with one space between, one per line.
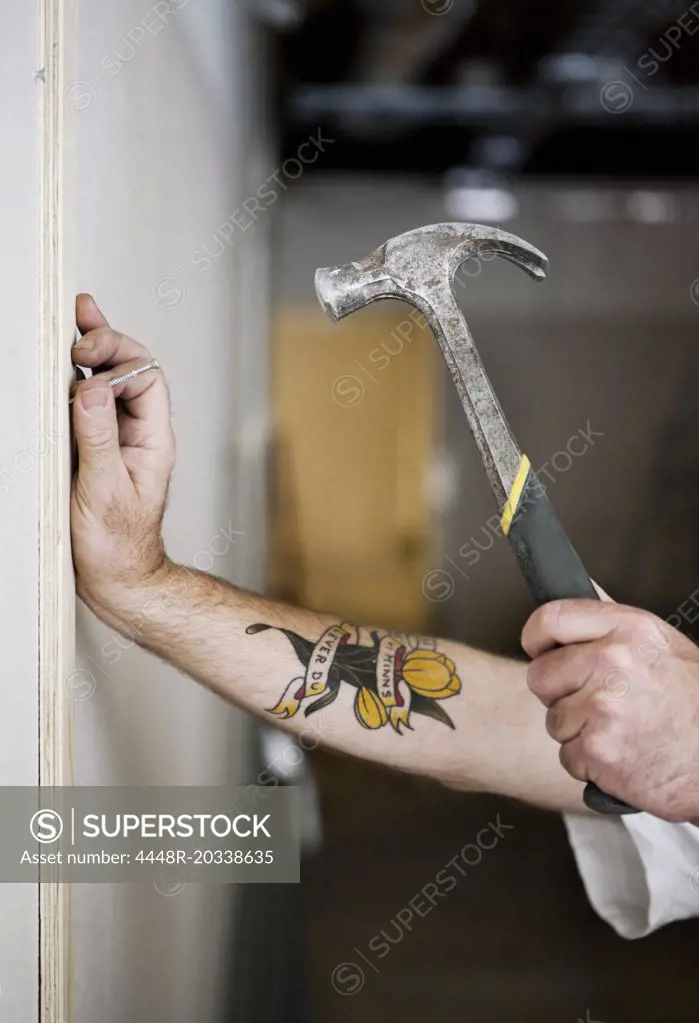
83 342
94 399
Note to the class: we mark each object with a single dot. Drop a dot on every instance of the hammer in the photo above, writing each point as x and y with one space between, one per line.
419 267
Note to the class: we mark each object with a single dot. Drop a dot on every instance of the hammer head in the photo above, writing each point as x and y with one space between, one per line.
417 264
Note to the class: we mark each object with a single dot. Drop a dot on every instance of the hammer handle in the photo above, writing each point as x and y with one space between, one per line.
553 571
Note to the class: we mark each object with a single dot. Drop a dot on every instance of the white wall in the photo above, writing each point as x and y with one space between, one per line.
19 476
171 141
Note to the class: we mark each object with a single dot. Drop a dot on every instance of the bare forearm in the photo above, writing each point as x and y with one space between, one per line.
438 709
444 710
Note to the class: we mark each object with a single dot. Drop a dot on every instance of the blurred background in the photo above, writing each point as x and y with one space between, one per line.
575 126
337 461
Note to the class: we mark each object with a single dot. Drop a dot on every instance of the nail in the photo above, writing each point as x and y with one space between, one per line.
94 399
83 342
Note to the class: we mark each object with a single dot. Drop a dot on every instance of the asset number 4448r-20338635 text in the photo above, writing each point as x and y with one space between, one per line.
207 857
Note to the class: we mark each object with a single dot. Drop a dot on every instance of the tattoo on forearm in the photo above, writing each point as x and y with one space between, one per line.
395 677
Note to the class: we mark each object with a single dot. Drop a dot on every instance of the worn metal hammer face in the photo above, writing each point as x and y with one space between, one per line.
419 267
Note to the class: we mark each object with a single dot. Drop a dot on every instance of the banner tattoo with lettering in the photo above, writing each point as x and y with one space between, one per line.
396 676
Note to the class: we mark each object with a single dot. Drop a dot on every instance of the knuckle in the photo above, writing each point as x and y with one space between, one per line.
660 633
618 655
106 342
600 748
549 616
102 438
541 677
104 339
638 620
600 703
571 762
541 627
535 676
101 441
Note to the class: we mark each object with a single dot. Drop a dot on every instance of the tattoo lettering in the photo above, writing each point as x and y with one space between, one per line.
395 677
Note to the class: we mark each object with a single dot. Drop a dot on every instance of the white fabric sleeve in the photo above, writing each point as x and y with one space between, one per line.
639 872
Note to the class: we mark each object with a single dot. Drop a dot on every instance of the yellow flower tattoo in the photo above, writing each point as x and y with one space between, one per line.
395 677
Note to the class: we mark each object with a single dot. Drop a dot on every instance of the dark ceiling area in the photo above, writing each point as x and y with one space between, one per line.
546 87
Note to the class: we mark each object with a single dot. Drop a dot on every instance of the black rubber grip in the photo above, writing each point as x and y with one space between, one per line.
553 571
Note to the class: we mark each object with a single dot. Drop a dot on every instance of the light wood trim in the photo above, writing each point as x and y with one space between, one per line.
58 28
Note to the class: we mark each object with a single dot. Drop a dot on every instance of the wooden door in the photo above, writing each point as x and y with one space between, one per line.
354 407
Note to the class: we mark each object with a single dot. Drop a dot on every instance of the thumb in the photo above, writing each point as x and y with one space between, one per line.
100 465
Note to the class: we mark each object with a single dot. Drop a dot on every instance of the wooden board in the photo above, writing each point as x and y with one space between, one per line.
56 584
355 408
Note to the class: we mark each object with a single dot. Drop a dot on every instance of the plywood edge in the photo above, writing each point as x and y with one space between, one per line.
58 42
